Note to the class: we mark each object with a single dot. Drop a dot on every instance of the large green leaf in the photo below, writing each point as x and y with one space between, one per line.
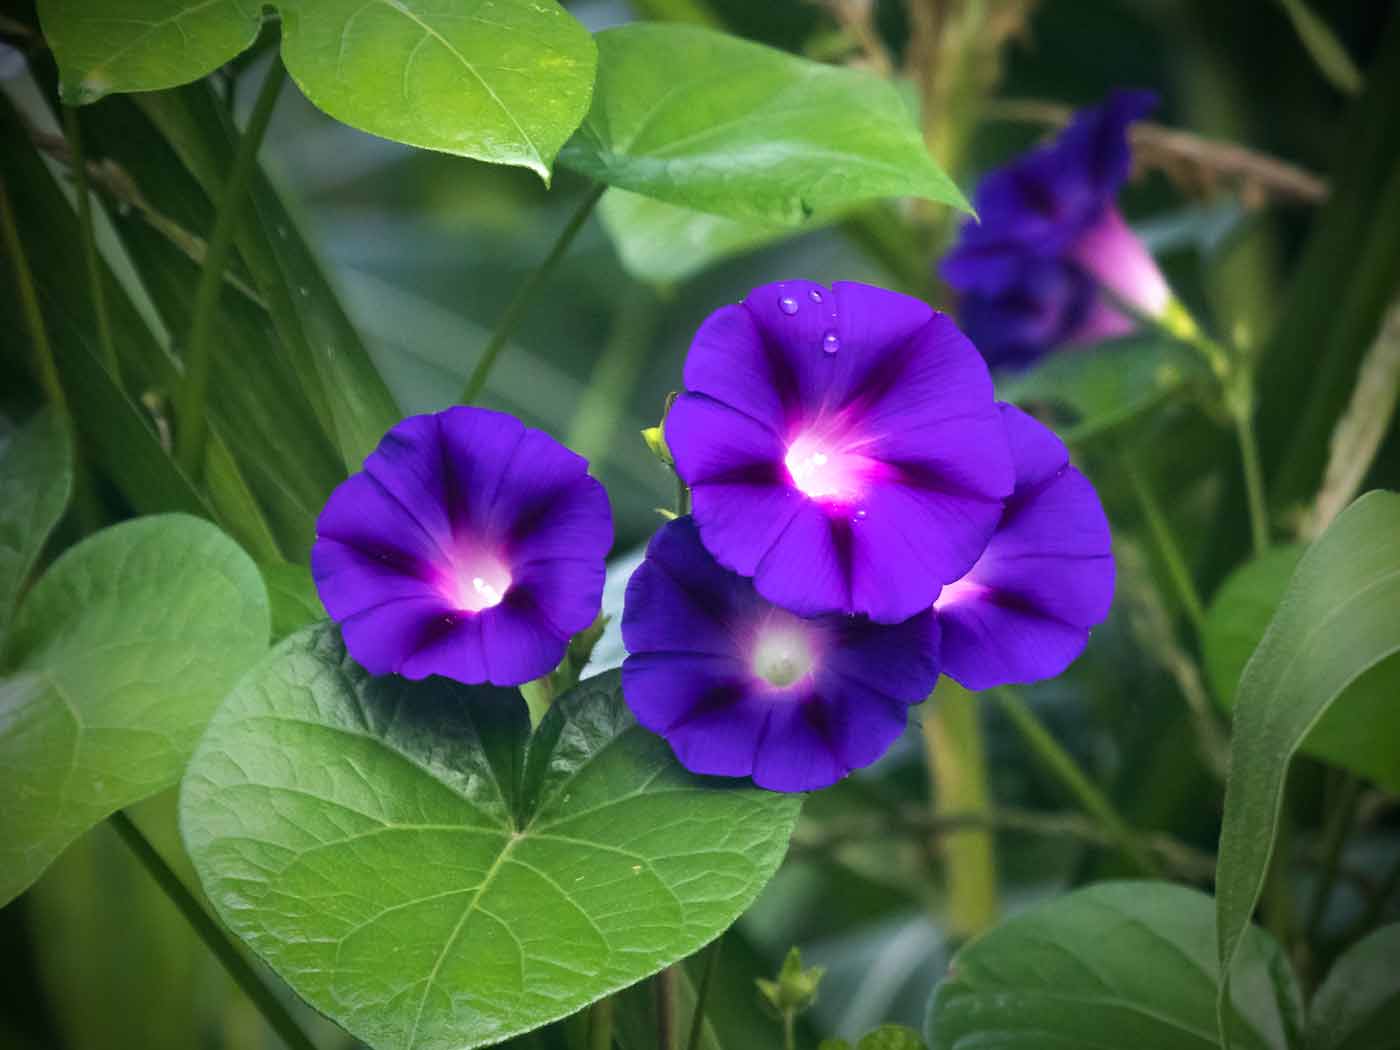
505 81
1336 621
117 659
422 871
1119 964
36 480
704 120
1358 1005
1360 731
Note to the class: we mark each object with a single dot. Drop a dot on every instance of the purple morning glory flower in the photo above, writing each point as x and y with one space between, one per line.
1024 611
469 547
842 447
740 687
1030 273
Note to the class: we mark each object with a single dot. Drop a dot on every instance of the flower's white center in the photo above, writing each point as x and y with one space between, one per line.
959 591
822 471
782 655
479 581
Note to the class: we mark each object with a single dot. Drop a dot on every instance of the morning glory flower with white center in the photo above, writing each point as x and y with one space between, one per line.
469 546
741 687
842 446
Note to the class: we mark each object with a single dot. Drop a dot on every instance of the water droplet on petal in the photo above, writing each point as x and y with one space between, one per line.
788 305
815 296
831 342
859 516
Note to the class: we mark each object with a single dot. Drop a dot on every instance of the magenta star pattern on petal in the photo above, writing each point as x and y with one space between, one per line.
842 446
469 546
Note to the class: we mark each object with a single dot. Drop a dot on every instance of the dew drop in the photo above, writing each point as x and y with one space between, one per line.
831 342
859 516
788 305
305 291
815 296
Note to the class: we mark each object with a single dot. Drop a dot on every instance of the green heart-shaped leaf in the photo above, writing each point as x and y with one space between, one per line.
423 871
505 81
709 121
36 480
1118 964
117 659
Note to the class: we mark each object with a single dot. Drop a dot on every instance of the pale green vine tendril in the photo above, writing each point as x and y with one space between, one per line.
1060 764
476 382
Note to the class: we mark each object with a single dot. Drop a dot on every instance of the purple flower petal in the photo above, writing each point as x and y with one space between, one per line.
739 686
1048 234
1024 611
470 547
865 394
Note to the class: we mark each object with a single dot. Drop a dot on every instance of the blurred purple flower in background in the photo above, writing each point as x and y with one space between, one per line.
740 687
1031 274
842 446
469 547
1024 611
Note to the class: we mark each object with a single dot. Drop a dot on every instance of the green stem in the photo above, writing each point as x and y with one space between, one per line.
1167 545
74 132
789 1030
1253 476
476 382
1338 824
1236 378
1060 764
600 1025
614 376
45 368
702 993
191 426
958 773
272 1008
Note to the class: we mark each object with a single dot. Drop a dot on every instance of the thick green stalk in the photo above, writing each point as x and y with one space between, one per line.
515 310
957 765
1060 764
272 1008
600 1025
190 413
665 985
697 1017
73 131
